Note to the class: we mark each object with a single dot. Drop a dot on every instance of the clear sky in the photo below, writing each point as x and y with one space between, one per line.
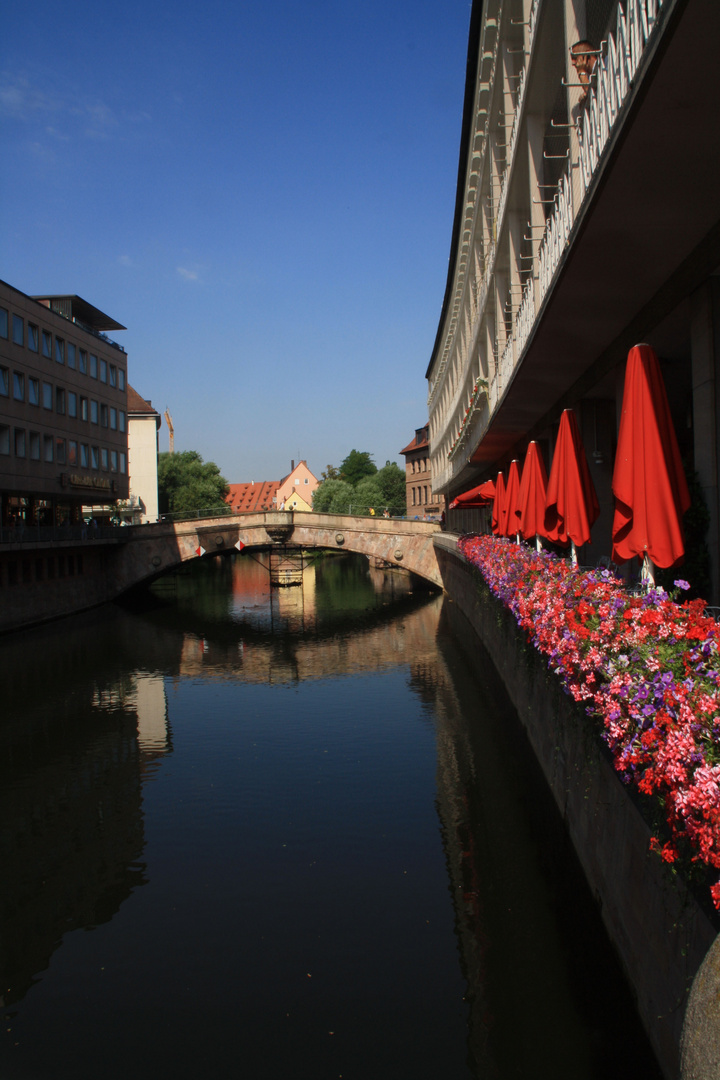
261 191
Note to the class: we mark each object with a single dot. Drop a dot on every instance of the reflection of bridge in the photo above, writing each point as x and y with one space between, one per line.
155 548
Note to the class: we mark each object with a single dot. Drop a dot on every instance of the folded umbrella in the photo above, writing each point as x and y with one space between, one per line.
571 507
651 492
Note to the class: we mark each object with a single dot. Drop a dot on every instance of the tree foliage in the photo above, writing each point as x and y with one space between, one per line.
186 484
332 497
330 473
374 491
357 464
368 497
391 479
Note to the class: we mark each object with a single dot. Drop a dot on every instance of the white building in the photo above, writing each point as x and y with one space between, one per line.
587 220
143 427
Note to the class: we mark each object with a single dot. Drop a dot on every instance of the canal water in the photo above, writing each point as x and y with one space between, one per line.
281 834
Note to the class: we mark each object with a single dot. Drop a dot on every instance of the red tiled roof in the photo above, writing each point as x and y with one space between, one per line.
418 443
252 498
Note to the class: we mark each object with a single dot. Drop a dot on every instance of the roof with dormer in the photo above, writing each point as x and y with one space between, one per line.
420 442
253 497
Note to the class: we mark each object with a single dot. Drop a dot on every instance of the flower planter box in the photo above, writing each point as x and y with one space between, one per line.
661 929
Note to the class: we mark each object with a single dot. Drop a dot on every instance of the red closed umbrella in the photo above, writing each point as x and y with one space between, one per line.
651 493
511 515
477 496
571 506
533 490
497 511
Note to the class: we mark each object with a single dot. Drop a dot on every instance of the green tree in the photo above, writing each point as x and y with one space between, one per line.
357 464
343 497
368 497
330 473
332 492
391 479
186 484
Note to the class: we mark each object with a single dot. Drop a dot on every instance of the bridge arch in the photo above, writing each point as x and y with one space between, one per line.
153 549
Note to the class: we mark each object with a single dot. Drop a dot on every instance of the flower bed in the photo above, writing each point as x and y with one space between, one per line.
646 666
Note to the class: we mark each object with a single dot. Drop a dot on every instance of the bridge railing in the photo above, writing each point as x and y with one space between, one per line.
351 510
192 515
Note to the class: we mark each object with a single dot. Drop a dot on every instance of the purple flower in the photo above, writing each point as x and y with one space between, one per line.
680 584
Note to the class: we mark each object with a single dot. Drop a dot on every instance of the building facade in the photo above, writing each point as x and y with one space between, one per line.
293 492
587 220
299 482
420 499
143 428
63 409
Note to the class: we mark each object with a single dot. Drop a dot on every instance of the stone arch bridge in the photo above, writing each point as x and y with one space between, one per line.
152 549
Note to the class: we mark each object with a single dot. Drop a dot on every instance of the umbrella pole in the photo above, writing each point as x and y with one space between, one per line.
573 553
647 574
538 542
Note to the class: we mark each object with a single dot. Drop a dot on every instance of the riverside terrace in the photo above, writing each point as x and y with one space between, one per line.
49 572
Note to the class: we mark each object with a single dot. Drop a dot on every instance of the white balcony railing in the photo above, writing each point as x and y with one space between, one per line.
613 78
614 73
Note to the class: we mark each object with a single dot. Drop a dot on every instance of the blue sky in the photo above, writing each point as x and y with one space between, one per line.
262 192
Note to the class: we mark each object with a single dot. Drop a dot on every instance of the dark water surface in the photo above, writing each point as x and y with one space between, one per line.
296 835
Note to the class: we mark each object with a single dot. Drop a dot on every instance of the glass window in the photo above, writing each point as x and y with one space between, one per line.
4 382
113 419
4 435
93 412
113 461
72 452
59 400
18 332
47 395
104 458
60 450
103 370
59 350
33 391
93 366
82 366
84 455
103 416
121 420
33 337
95 457
123 463
72 403
19 442
48 444
113 375
121 379
34 445
83 408
4 334
18 386
47 344
70 355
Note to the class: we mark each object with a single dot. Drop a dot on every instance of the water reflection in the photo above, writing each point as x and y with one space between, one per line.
237 787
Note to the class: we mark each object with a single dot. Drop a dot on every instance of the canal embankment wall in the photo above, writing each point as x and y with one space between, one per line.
665 935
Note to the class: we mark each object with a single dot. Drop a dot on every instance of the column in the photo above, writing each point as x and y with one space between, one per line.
705 350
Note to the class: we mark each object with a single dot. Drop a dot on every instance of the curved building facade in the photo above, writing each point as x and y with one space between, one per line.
587 220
